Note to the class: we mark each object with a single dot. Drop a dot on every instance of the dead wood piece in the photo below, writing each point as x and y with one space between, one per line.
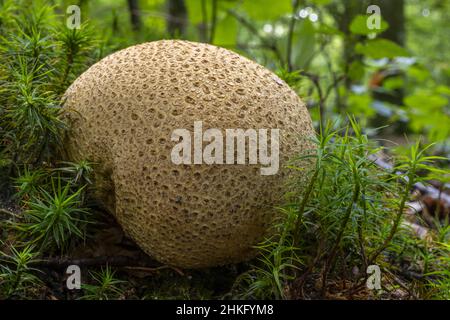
424 189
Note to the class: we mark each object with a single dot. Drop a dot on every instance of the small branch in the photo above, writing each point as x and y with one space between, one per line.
145 264
428 190
336 81
323 95
151 270
10 213
266 43
333 85
114 261
315 80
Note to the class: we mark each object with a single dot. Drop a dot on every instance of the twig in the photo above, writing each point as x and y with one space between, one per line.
333 85
315 80
334 76
428 190
266 43
115 261
10 213
398 281
144 265
151 270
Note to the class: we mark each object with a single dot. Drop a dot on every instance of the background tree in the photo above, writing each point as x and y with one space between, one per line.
176 18
135 14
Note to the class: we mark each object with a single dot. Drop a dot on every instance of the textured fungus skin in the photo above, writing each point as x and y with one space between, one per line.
122 112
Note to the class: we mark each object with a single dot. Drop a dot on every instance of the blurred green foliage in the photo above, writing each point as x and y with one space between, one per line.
359 70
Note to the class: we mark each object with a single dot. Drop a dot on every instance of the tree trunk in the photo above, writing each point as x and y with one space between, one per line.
177 18
345 12
135 15
393 12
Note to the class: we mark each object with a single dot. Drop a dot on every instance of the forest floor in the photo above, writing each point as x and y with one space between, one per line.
140 277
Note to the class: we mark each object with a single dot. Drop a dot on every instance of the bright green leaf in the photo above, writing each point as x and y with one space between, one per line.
419 73
226 31
393 83
381 48
266 9
194 9
360 104
356 70
425 102
327 29
321 2
359 26
442 89
303 43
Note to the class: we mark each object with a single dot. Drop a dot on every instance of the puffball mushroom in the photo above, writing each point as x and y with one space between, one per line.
132 113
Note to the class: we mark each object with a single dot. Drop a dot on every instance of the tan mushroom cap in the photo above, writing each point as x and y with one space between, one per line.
122 112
